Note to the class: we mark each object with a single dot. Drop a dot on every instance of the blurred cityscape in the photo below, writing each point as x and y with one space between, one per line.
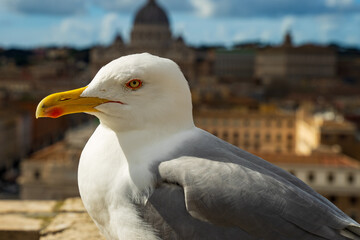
297 106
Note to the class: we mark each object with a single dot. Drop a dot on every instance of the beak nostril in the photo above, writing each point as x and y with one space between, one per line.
64 99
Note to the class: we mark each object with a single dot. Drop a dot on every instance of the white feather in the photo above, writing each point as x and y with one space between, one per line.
114 169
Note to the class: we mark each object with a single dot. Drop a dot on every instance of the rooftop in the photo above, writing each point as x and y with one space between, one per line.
319 159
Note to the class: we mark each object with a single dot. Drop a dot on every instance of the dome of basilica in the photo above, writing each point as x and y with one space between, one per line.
151 13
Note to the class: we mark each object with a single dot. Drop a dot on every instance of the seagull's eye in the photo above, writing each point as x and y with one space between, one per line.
134 84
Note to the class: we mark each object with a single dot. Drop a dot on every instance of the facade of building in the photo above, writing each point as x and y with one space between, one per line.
341 133
295 63
235 65
47 70
51 173
348 67
265 130
14 138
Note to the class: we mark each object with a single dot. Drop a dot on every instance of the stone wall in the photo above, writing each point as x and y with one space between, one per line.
46 220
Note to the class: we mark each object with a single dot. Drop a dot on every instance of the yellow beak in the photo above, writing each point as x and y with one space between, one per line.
59 104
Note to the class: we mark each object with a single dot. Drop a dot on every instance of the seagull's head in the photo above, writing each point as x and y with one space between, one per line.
132 92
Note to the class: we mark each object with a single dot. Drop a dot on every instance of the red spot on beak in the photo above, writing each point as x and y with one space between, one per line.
55 112
114 102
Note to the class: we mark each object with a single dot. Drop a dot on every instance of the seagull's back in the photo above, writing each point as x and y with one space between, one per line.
210 189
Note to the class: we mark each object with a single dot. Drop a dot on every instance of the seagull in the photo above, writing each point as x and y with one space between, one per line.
148 172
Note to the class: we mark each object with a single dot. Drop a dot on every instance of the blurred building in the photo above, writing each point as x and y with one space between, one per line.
348 67
267 129
33 74
295 63
26 76
342 134
333 175
51 173
15 139
235 65
150 33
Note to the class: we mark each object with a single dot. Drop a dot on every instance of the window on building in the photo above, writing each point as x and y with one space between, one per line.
246 135
257 146
257 123
278 137
279 123
351 178
225 135
290 137
353 200
37 174
236 122
332 199
246 123
290 123
236 138
311 177
257 136
289 148
325 136
268 123
342 137
267 137
331 177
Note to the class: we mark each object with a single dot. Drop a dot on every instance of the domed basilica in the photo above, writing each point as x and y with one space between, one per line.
150 33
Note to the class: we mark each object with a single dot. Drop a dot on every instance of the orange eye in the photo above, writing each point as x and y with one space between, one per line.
134 84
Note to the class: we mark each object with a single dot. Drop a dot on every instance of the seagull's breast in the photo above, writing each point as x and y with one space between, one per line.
107 188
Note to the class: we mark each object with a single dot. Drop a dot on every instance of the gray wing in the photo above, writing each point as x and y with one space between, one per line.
216 189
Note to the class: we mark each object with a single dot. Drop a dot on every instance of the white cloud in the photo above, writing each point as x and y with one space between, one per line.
327 25
204 8
179 28
48 7
287 23
72 30
221 31
240 37
338 3
265 36
108 27
85 31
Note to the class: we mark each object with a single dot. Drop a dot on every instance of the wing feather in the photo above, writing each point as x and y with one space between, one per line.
227 187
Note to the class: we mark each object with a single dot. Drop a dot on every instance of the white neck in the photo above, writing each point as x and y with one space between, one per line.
143 145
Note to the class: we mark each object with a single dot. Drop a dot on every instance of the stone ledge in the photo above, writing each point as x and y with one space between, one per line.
46 220
25 206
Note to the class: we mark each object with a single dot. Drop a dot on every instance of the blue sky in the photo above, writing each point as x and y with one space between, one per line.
82 23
